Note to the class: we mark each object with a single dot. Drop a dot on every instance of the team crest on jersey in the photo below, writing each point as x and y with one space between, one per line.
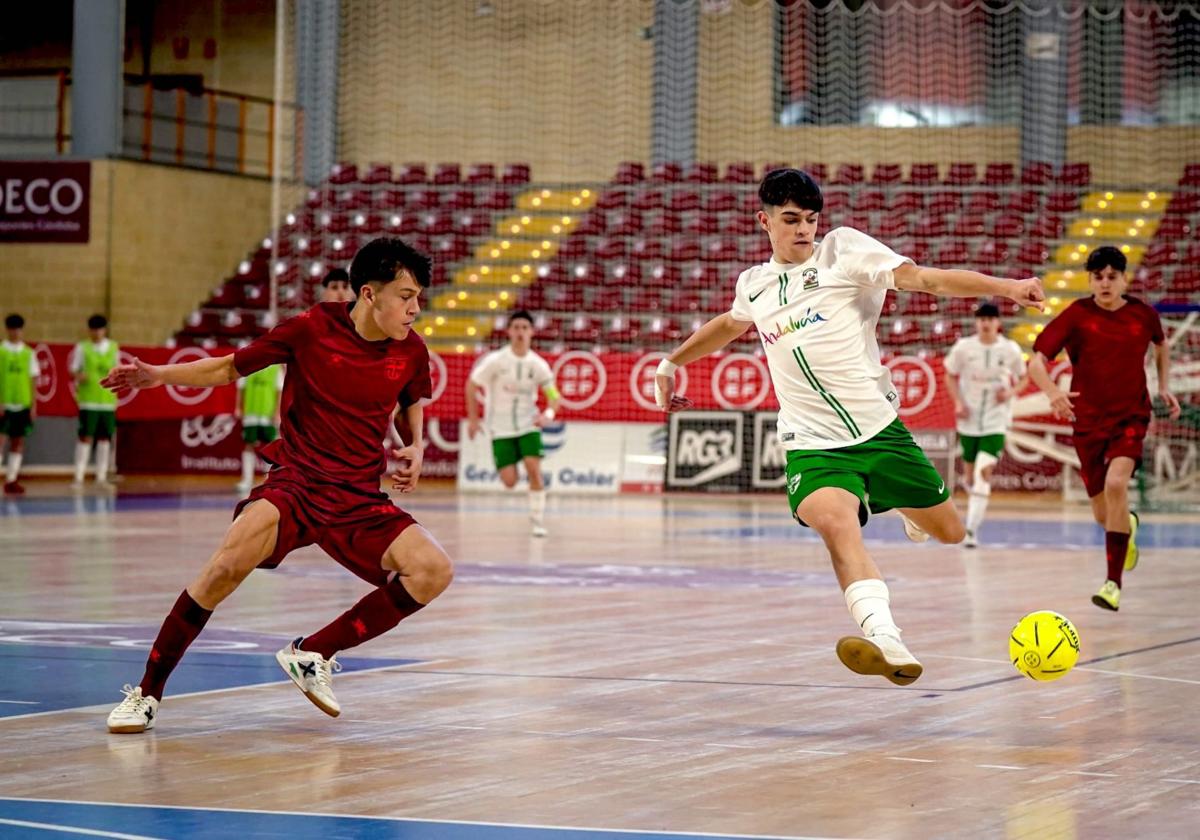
810 279
393 368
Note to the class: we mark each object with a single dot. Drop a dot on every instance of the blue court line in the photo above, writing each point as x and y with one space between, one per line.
160 821
50 678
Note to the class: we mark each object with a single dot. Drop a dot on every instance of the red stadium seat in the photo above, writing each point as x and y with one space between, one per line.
984 201
991 253
411 173
343 173
719 201
1160 254
943 333
1062 202
607 299
968 224
944 202
1023 201
611 199
1047 227
1032 252
610 248
953 253
447 173
683 199
739 172
818 171
629 172
647 200
919 303
516 173
848 174
378 173
998 174
960 174
924 174
1173 227
625 223
668 172
886 173
902 332
836 201
1075 175
1191 175
1037 173
908 201
1184 202
927 227
1185 281
867 200
497 199
683 249
701 173
1007 226
662 224
459 200
890 226
480 173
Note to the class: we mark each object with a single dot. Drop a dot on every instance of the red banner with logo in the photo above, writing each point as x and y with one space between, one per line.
56 386
620 386
45 201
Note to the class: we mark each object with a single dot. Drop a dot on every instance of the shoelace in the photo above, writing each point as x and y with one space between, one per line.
131 703
326 668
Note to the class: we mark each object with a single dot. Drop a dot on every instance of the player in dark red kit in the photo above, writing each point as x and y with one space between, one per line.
1106 337
348 365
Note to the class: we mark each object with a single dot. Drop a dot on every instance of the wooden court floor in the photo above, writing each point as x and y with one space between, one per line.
656 667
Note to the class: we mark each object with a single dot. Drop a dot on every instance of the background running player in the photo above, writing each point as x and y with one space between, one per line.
1106 337
983 374
511 378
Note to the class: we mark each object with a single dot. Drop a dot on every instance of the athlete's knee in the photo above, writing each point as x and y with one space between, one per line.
509 480
1116 486
834 526
428 572
952 532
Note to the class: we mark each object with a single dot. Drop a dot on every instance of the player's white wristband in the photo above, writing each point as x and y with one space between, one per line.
665 368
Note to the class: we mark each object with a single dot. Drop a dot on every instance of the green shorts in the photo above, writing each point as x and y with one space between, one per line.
99 425
510 450
888 471
972 446
259 434
16 424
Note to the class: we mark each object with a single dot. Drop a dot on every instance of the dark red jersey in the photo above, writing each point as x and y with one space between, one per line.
339 392
1108 356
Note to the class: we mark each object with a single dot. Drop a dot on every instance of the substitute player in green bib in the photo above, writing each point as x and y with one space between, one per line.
983 373
258 409
90 362
18 371
816 307
511 378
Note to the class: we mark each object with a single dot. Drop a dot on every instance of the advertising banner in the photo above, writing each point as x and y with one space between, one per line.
45 201
579 458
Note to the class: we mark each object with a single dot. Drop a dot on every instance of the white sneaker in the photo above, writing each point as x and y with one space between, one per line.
538 530
912 531
879 655
313 673
969 540
135 713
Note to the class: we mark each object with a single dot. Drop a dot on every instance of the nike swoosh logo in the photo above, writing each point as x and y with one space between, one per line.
756 295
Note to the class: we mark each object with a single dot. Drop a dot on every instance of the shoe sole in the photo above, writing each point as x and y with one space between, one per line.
1133 555
863 656
316 701
128 728
1104 605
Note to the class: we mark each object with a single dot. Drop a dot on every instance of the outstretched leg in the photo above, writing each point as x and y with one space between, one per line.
249 541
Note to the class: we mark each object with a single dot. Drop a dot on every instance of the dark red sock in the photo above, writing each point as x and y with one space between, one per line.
179 629
374 615
1115 545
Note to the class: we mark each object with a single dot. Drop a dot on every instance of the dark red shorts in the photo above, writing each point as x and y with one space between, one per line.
353 526
1097 449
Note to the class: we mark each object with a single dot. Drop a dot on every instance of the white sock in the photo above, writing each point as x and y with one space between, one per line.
248 464
867 601
82 450
537 505
976 507
103 448
14 466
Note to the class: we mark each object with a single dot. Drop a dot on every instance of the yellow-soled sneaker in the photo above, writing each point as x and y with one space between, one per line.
1131 553
879 655
1109 596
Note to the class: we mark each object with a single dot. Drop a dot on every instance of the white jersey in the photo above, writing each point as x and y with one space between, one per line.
983 370
817 323
512 383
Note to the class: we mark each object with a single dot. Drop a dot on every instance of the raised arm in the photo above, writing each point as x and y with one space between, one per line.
711 337
955 282
202 373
